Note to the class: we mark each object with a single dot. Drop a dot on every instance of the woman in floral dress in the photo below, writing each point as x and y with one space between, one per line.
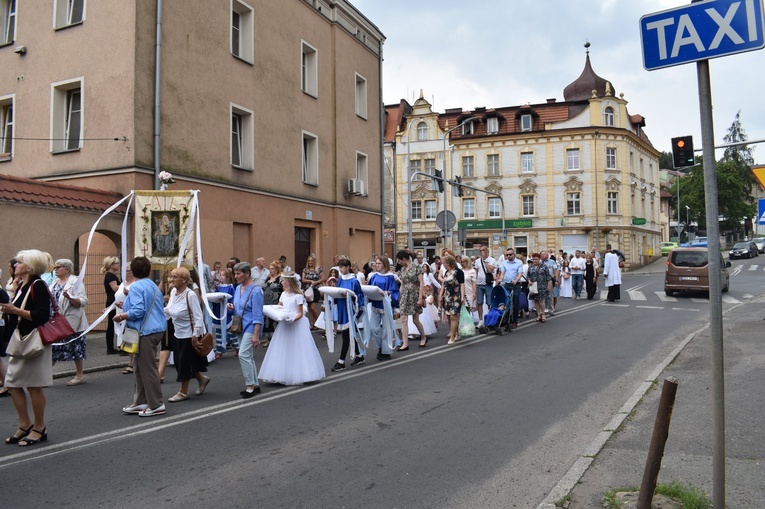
271 294
540 275
411 299
452 295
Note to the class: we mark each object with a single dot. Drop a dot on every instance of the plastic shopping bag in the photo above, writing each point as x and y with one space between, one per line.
467 327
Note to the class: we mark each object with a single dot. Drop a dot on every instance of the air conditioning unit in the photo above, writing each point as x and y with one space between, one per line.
356 187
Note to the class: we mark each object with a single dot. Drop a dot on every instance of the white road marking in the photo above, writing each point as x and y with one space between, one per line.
650 307
753 267
730 300
747 296
664 297
700 301
636 295
613 304
684 309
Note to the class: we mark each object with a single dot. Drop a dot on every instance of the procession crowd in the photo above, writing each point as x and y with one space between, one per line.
379 306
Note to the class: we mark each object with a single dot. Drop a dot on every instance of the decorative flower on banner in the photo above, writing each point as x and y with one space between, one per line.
165 177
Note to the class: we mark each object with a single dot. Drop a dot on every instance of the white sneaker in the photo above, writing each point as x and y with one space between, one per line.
148 412
480 323
134 409
552 312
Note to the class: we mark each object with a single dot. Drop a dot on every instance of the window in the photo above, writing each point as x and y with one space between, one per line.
430 166
610 158
415 165
492 125
416 210
608 116
468 128
613 202
527 203
242 138
69 12
525 122
8 13
6 127
527 162
361 96
309 74
66 122
468 208
573 206
468 166
242 31
572 159
494 207
362 170
430 209
492 163
422 131
310 159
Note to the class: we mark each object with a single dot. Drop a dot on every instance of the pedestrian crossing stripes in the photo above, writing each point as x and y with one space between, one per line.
638 296
753 267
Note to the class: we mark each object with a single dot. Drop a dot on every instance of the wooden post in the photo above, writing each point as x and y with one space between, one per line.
658 441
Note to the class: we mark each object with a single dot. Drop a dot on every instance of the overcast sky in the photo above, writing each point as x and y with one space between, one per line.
497 53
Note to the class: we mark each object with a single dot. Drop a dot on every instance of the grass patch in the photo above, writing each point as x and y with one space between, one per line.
690 496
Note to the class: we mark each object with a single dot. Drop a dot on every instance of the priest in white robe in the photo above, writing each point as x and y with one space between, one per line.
612 274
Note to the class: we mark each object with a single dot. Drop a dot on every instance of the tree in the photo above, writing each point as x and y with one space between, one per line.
665 161
737 134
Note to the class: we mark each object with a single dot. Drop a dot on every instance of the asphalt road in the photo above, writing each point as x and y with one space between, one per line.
489 422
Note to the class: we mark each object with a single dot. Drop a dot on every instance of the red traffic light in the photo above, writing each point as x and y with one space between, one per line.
680 143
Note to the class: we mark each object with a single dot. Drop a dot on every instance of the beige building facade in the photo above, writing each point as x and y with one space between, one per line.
271 109
576 174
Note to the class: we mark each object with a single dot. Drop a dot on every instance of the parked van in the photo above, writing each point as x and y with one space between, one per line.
688 270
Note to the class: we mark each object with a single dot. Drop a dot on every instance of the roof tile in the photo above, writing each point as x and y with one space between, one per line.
24 190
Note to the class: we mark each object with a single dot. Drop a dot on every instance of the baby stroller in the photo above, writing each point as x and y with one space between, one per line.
497 320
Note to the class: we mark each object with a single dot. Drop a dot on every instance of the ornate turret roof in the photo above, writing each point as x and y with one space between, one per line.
581 88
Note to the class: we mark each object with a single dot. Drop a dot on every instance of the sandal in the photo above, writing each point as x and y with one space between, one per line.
26 441
5 392
178 397
128 370
13 439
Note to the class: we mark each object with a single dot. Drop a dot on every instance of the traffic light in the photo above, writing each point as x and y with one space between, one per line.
682 152
438 181
457 190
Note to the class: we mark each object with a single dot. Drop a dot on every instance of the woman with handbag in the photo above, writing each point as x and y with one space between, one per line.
71 304
184 310
26 312
143 309
540 282
452 295
312 278
248 308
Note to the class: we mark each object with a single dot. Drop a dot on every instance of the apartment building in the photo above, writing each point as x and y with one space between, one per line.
574 174
271 109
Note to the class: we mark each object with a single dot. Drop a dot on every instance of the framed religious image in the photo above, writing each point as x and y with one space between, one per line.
164 233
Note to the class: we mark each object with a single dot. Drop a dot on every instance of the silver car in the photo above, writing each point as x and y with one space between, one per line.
760 243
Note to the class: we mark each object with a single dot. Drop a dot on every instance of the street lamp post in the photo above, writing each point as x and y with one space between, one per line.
446 175
687 224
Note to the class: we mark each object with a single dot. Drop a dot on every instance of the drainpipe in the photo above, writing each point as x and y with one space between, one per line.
157 103
382 155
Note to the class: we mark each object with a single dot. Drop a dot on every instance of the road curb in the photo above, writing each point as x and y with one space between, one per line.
94 369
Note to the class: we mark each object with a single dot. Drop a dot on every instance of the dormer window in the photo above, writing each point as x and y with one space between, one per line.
492 125
468 128
422 131
525 122
608 117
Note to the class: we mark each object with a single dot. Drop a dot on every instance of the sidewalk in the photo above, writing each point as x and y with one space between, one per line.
688 452
97 359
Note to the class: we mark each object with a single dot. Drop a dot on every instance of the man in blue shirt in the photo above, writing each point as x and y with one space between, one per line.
510 273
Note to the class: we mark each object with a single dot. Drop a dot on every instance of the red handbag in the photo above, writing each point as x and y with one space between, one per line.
57 327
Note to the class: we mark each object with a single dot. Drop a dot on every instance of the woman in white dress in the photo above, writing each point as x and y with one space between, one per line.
565 281
292 357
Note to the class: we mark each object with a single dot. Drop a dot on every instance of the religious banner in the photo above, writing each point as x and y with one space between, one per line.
162 220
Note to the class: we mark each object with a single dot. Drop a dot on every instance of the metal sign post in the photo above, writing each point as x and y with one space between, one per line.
696 33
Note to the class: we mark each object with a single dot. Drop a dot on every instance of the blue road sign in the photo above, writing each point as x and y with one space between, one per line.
761 211
701 30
